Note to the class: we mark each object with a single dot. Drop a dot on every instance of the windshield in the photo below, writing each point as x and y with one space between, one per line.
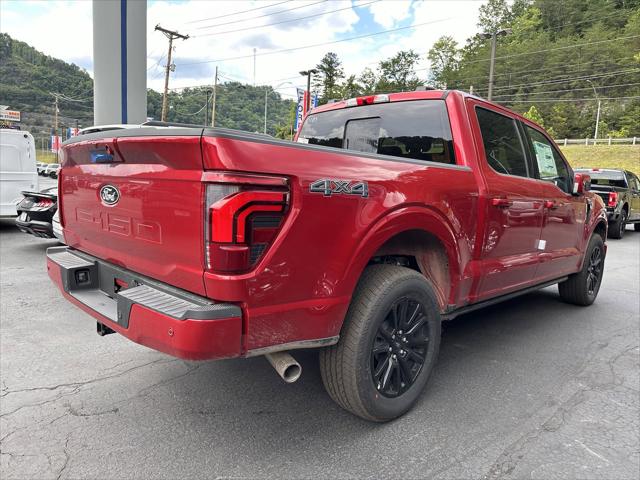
416 129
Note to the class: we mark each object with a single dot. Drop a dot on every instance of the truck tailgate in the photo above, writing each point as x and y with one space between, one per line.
137 202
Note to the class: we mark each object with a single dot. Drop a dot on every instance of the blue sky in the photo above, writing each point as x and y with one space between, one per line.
63 29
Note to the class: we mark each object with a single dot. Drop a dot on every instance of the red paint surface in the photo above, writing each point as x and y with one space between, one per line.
188 339
302 286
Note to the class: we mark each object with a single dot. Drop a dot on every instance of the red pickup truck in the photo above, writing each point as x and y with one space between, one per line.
389 214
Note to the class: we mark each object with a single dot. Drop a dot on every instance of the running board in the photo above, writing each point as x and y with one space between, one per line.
492 301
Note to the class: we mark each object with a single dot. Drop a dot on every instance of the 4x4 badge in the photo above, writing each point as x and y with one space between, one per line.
109 195
328 187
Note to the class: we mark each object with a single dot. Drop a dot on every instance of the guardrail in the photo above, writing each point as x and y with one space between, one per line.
598 141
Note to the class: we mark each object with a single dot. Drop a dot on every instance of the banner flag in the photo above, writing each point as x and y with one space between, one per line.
299 109
55 143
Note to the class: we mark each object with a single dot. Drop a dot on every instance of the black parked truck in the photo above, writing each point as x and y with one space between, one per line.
620 190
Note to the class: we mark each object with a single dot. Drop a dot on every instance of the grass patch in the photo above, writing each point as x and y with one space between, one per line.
626 157
45 157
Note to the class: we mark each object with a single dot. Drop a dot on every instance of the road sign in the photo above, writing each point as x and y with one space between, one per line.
9 115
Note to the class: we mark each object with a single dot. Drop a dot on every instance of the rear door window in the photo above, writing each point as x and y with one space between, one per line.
417 130
502 143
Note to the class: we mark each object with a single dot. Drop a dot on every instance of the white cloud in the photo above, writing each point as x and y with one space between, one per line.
64 29
389 13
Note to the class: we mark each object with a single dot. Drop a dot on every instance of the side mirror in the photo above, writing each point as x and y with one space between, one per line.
581 183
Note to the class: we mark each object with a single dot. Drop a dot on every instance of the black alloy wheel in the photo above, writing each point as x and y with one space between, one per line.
388 344
400 347
594 271
623 224
581 288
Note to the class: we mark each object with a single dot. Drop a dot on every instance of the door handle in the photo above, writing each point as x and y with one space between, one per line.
501 202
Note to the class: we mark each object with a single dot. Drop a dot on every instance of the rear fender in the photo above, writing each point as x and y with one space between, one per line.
403 220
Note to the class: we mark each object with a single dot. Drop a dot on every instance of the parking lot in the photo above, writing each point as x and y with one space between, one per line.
532 388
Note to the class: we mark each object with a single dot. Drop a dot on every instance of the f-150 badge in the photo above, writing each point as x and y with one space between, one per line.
329 187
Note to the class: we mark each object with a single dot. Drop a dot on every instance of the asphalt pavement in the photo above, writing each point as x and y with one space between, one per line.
531 388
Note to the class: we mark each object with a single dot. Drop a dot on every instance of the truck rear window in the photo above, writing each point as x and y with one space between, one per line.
609 179
417 130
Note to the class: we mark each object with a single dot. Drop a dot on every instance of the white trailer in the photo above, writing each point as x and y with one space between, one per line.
17 168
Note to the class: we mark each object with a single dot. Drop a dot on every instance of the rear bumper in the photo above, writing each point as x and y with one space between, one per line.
36 227
146 311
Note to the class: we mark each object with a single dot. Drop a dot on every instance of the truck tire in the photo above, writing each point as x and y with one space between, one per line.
617 228
388 346
582 288
636 226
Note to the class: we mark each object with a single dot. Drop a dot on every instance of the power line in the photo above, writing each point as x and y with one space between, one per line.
209 97
350 7
476 61
274 52
551 66
555 48
570 90
239 12
564 80
260 16
551 100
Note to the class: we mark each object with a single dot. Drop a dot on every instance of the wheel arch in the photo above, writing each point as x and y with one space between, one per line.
416 232
601 228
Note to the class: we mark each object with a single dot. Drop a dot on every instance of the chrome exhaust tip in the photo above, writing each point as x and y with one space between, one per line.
286 366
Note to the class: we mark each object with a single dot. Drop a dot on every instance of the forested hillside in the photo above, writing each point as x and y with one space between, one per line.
238 106
554 60
557 57
28 78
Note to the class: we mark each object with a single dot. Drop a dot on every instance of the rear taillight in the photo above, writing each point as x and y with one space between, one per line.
40 205
241 222
613 199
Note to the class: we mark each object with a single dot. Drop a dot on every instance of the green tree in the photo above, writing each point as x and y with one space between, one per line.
398 72
443 57
327 79
534 115
368 80
494 15
350 88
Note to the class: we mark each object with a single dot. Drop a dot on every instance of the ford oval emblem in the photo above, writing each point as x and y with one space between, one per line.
109 195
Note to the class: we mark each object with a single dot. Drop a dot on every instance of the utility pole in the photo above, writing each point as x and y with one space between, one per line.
55 121
266 91
595 135
254 67
55 125
206 108
308 73
171 35
494 40
213 103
